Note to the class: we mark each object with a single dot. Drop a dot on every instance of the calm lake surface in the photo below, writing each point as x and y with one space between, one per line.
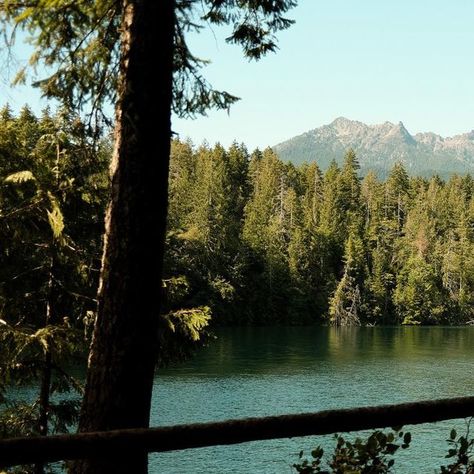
269 371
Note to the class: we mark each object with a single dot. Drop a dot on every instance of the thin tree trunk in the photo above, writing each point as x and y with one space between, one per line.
52 305
44 403
123 352
45 386
44 395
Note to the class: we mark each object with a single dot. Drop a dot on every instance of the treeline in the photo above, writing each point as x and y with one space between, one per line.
257 240
262 241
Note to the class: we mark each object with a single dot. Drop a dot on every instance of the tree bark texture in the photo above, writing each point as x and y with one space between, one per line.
123 352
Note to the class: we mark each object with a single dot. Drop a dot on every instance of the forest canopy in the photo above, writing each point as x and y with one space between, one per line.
266 242
258 240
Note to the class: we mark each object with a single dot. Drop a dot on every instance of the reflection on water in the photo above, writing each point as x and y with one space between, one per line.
267 371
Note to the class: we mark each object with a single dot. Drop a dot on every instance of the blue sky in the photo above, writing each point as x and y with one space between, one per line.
366 60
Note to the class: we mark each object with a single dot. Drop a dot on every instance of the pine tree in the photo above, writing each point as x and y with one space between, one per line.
397 191
313 196
381 236
265 201
418 297
347 306
350 183
181 183
458 268
331 215
265 229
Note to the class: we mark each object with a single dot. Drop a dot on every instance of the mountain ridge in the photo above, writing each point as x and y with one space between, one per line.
380 146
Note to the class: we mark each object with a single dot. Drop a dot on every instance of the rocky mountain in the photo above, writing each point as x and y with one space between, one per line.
379 147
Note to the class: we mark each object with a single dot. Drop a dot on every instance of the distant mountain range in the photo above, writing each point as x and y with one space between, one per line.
379 147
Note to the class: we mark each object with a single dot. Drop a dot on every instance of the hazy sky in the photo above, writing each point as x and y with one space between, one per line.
368 60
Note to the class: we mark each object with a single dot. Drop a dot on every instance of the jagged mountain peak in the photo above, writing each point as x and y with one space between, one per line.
380 146
399 132
401 128
340 121
344 121
343 124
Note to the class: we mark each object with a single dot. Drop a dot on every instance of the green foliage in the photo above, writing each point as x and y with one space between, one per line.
22 347
347 303
53 189
20 177
460 452
419 297
51 241
375 455
52 198
182 330
79 42
261 241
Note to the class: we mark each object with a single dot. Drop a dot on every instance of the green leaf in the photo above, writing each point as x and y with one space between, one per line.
464 444
56 219
317 453
20 177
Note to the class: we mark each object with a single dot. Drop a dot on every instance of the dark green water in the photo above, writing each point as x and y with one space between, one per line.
268 371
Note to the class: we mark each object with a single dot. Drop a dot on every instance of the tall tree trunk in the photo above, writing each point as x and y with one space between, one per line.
123 352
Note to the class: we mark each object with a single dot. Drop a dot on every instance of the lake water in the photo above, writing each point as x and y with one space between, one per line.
269 371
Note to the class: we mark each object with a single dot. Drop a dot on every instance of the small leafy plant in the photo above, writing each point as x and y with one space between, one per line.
371 456
461 452
375 455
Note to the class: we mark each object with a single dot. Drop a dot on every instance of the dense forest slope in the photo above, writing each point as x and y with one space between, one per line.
251 238
263 241
379 147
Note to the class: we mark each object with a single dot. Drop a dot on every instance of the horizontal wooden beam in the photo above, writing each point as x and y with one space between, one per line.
16 451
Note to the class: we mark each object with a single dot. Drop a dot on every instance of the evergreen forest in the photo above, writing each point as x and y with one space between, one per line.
251 240
256 240
262 241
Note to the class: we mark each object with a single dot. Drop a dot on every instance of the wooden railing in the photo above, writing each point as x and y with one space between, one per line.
16 451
